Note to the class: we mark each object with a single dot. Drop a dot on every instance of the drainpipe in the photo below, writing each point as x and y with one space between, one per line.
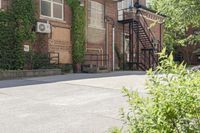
112 21
113 48
107 49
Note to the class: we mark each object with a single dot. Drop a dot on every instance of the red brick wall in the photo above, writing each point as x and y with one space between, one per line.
51 42
100 40
95 36
5 4
42 40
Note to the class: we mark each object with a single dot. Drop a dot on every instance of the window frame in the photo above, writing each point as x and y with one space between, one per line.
148 3
95 24
52 4
0 4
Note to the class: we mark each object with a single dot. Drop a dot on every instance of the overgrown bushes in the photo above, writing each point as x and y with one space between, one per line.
78 31
40 61
172 105
15 28
7 43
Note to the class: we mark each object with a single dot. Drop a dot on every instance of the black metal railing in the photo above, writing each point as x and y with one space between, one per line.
97 60
147 29
147 38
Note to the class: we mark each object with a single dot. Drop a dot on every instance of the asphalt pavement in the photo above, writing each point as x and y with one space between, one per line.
72 103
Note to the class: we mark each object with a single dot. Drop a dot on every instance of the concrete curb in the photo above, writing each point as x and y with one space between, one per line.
14 74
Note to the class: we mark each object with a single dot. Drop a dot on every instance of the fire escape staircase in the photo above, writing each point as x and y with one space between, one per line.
146 39
148 43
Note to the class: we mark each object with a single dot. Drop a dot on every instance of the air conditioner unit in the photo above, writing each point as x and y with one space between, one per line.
43 27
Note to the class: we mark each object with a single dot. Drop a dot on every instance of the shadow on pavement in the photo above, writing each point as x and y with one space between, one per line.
67 77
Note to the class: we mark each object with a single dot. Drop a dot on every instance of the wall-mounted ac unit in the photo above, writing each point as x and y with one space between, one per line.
43 27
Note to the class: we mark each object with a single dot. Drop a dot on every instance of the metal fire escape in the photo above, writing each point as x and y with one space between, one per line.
143 45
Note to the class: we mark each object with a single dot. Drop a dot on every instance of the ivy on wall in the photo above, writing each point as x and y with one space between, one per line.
7 47
78 31
15 29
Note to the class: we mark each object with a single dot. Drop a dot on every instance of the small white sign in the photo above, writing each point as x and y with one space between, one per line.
26 48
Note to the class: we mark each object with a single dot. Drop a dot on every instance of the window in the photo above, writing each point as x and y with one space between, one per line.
96 14
0 4
52 9
148 3
124 5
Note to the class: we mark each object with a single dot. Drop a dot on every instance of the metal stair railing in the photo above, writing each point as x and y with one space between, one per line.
151 36
148 30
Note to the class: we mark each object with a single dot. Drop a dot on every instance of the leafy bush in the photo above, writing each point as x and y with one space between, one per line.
66 68
40 61
78 31
15 29
172 105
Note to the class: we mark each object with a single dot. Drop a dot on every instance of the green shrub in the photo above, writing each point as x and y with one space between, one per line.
173 102
66 68
16 25
78 31
40 61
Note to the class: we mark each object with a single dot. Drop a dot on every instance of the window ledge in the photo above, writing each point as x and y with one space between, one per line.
98 28
52 19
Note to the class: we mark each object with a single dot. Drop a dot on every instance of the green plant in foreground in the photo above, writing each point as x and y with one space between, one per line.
172 105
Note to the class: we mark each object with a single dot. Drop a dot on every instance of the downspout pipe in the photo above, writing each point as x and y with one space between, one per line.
113 48
112 21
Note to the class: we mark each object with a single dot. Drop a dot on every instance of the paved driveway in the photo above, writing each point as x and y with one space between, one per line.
73 103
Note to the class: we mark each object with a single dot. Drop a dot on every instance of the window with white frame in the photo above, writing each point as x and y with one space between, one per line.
52 8
96 14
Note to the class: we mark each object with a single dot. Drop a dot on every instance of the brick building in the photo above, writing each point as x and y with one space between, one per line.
133 50
126 34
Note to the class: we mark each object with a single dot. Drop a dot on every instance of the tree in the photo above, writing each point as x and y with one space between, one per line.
181 15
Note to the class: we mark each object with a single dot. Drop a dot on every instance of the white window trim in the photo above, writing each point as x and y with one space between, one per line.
51 17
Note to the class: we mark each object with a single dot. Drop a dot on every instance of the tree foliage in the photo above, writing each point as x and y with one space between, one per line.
181 14
172 105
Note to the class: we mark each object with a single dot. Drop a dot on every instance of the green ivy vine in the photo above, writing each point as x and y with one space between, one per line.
15 29
78 31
